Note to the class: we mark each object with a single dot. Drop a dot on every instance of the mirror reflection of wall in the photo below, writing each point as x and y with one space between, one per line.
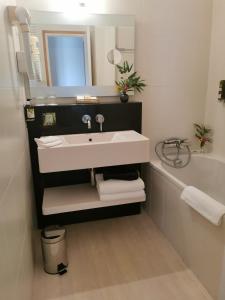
125 44
103 40
114 57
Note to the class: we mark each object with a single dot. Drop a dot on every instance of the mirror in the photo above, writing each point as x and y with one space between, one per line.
78 56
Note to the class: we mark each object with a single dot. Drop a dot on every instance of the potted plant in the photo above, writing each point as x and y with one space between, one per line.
128 83
202 133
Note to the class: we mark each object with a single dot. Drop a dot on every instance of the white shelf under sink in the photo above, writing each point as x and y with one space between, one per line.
74 198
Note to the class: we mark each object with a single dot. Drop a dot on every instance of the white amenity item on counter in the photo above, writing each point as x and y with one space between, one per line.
111 186
209 208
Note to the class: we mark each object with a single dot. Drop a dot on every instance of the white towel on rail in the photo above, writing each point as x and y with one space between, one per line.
205 205
113 186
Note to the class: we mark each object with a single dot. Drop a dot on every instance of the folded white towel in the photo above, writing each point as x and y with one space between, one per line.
208 207
113 186
49 141
49 145
140 195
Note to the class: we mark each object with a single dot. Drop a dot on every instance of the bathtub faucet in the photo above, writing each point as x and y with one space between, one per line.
177 141
174 152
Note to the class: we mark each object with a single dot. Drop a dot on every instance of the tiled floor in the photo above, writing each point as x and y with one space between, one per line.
119 259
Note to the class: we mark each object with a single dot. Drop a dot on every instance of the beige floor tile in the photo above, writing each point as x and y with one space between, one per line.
119 259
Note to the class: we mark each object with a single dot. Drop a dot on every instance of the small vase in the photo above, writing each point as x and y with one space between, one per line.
124 97
203 150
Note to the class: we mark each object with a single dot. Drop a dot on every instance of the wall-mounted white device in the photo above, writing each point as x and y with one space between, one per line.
20 17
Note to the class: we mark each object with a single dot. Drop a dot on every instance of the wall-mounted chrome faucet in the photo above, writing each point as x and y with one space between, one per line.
86 119
100 119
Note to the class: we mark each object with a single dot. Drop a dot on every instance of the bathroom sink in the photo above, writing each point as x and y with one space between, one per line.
92 150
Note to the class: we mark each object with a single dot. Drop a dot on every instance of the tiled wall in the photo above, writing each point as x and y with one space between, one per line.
16 263
215 110
172 52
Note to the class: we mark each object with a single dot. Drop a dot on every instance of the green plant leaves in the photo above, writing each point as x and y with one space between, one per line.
201 129
125 68
202 134
132 83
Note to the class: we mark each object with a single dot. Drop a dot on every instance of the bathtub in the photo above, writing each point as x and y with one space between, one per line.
200 243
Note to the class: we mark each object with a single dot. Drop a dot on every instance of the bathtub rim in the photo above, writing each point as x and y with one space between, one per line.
157 165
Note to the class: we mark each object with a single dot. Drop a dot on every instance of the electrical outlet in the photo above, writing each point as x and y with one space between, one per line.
30 114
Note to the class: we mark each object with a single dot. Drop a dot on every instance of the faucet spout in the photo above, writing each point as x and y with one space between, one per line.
86 119
100 120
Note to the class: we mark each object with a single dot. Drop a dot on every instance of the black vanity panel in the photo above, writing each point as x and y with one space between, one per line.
118 116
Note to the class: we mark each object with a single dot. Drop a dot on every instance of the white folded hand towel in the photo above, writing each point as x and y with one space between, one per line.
139 195
48 141
113 186
208 207
49 145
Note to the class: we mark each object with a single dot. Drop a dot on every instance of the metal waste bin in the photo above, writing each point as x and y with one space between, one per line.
54 250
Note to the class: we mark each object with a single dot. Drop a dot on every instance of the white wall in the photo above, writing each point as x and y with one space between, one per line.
172 44
177 50
215 111
16 265
172 50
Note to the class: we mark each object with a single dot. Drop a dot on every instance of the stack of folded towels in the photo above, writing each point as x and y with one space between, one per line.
120 186
49 141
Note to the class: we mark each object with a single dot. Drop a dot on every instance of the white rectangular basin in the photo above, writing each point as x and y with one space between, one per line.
92 150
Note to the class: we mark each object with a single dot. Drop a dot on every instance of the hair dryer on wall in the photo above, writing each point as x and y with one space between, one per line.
21 17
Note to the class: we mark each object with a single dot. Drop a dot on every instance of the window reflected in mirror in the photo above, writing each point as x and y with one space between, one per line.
66 58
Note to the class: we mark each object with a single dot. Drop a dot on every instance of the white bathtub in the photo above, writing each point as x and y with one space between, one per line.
199 243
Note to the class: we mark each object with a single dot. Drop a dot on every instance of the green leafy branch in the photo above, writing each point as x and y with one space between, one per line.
125 68
203 133
132 82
